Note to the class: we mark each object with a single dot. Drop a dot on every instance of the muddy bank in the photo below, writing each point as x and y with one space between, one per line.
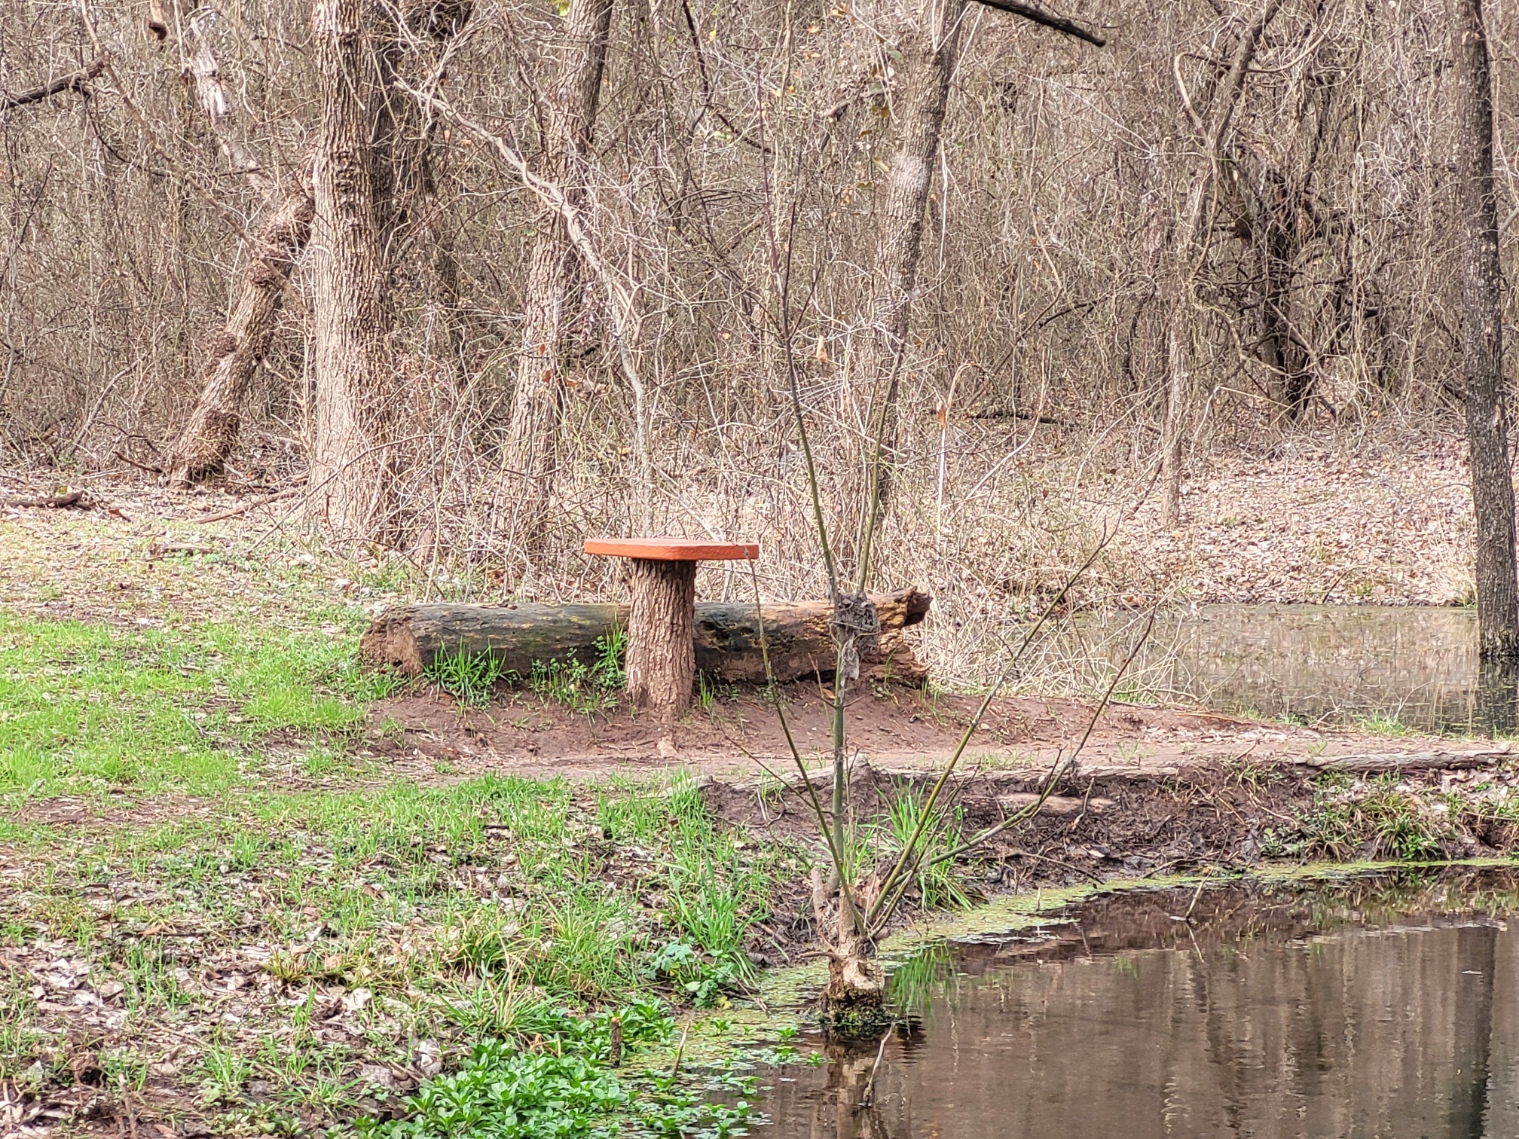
1107 825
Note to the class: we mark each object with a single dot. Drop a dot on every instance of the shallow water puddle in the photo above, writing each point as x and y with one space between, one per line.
1383 1006
1338 663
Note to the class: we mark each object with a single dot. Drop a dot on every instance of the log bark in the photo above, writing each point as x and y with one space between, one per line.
661 666
235 353
727 641
1482 337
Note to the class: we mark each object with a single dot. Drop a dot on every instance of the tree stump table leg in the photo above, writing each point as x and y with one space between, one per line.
661 663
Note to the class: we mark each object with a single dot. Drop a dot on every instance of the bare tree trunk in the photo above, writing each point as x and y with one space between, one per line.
1482 337
1284 349
1181 275
1186 254
236 351
402 177
555 272
353 461
404 183
855 981
929 45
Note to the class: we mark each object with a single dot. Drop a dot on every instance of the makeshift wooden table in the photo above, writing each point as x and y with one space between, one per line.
661 661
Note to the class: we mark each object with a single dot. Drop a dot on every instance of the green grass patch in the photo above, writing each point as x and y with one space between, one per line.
90 708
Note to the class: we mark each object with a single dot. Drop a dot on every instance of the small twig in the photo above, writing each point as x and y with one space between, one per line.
680 1050
131 462
1093 875
1187 917
1085 799
870 1084
289 492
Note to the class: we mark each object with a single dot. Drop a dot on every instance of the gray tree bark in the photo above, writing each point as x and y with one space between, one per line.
1284 350
1187 247
1482 336
555 272
403 179
353 469
928 41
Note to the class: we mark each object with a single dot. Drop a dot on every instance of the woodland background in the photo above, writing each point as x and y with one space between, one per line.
1168 246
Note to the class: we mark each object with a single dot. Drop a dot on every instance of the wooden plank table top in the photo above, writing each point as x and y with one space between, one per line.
673 549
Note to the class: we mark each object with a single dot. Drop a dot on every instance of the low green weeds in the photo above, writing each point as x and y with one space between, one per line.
455 913
470 678
581 687
1361 819
568 1077
932 877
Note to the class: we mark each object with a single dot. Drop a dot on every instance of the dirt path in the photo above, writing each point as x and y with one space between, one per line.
892 728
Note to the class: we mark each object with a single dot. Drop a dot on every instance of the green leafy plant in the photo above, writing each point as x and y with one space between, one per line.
581 687
702 980
610 651
559 1078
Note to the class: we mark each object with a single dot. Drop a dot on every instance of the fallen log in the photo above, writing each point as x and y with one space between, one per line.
53 502
410 637
1405 761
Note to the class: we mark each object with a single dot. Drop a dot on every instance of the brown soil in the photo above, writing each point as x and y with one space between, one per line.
427 735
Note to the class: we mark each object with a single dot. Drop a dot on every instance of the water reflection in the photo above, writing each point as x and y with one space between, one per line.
1340 663
1497 710
1383 1009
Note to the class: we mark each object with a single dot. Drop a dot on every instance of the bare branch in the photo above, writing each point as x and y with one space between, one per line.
73 81
1045 19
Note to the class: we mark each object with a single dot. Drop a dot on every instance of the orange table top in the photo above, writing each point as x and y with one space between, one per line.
672 549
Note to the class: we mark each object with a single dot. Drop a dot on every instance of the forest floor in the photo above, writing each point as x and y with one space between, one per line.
248 887
1381 516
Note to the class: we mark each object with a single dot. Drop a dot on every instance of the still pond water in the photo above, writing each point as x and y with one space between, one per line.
1339 664
1383 1007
